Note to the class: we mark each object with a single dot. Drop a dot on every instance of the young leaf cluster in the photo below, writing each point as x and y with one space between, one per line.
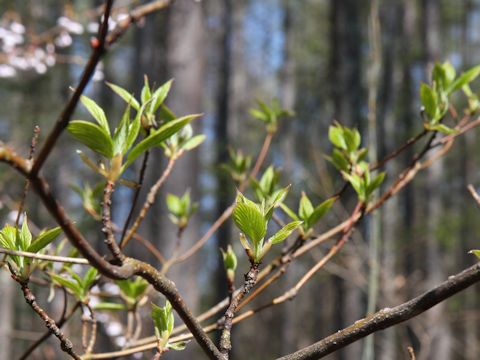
229 262
267 188
181 209
252 219
270 114
132 290
308 214
238 165
22 240
120 148
435 97
78 286
348 157
163 322
90 198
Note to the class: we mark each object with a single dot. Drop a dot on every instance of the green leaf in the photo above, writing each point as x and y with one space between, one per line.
174 204
250 221
335 134
158 136
475 252
89 278
319 212
75 276
45 238
289 212
305 207
464 79
146 95
449 72
284 232
429 100
178 346
163 319
97 112
109 306
338 160
376 182
357 184
229 259
352 138
267 181
25 235
159 96
92 136
121 132
69 284
125 95
192 143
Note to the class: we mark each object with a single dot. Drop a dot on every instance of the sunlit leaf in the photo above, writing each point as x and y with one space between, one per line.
158 136
125 95
92 136
97 112
45 238
285 232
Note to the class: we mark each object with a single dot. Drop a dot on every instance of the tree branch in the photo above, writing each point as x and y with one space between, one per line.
386 318
69 108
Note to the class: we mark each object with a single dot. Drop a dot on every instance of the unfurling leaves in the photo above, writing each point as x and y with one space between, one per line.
270 114
22 240
252 220
238 165
229 263
348 158
181 209
78 286
163 322
98 136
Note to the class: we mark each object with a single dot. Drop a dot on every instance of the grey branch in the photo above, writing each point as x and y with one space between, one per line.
389 317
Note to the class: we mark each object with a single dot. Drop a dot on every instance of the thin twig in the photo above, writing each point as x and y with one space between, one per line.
141 177
107 227
53 258
250 281
33 145
69 108
150 200
63 319
474 194
65 344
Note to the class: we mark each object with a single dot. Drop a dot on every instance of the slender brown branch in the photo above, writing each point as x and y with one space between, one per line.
65 344
136 15
141 177
474 194
63 319
33 145
53 258
399 150
150 200
66 114
250 281
93 330
107 228
386 318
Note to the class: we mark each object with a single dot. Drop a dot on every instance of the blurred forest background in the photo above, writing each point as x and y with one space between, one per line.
356 61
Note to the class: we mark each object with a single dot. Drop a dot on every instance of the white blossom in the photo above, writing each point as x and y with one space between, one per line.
7 71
